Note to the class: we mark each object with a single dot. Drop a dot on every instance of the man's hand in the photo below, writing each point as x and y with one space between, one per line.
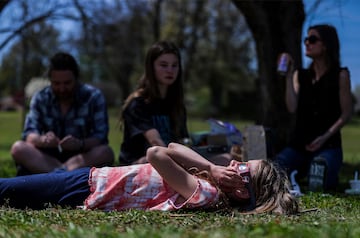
71 143
49 140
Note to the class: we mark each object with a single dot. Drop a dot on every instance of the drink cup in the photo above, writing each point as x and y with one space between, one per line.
283 64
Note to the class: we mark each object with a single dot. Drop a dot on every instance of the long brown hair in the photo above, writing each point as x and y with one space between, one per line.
270 185
148 86
272 190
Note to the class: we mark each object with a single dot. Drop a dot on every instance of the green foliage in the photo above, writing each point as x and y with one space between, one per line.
111 38
26 57
323 215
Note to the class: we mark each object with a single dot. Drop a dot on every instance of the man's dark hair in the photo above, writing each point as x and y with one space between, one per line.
64 61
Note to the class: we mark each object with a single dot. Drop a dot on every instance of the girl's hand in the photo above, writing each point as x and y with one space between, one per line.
226 178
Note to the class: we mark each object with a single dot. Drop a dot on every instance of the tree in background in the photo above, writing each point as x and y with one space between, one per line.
18 67
228 54
34 40
112 48
276 27
218 56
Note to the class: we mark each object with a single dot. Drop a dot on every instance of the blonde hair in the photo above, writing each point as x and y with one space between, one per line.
272 190
270 186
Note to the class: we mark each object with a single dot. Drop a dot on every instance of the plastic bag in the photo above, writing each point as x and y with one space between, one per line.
233 135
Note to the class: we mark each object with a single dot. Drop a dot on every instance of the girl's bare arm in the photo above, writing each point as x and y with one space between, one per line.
173 163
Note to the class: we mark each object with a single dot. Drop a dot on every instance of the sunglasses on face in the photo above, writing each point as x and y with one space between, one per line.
312 39
244 172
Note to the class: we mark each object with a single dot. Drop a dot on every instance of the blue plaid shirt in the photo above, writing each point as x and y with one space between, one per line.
86 118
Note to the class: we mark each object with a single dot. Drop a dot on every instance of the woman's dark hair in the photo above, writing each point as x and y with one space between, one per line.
148 85
330 39
148 81
64 61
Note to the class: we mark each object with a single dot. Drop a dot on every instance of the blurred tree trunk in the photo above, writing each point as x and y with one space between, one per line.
157 19
197 19
276 27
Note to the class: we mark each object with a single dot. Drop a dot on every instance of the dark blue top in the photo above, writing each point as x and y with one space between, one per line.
139 117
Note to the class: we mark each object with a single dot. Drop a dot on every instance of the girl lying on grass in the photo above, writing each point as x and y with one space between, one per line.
175 178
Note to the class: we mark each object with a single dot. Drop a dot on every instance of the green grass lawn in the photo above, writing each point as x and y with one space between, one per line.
326 215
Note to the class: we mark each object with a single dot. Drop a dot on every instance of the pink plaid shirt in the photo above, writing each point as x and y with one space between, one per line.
141 187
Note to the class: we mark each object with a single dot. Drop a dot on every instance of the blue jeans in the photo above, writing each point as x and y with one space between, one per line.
291 159
60 187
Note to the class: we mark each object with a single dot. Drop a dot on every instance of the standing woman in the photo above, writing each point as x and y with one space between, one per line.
321 98
154 114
